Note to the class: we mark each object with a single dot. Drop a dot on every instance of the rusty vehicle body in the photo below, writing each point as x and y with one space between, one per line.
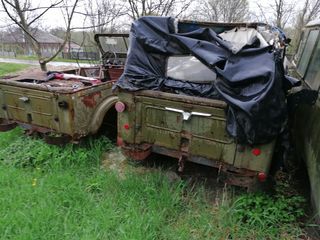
74 107
189 128
306 126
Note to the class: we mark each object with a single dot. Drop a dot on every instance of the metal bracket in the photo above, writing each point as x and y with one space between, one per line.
181 162
24 99
187 115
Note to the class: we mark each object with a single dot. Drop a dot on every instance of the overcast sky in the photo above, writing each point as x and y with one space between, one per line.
54 18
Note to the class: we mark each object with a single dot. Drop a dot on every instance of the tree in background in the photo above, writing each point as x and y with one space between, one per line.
223 11
278 12
309 12
102 15
138 8
25 16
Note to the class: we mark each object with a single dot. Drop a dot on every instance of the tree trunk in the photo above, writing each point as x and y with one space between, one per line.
43 65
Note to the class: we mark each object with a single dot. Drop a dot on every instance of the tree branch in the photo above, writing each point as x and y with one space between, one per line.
67 34
46 10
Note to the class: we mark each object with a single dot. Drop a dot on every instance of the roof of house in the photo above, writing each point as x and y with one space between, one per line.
17 36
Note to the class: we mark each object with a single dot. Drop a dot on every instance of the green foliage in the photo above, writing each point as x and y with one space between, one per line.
27 152
51 192
6 68
261 210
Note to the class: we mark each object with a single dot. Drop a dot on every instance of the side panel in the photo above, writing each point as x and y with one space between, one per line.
308 145
89 108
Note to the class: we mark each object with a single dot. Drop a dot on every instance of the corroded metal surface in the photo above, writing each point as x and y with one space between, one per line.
6 125
69 107
189 129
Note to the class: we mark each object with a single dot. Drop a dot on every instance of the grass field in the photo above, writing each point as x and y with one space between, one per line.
51 192
6 68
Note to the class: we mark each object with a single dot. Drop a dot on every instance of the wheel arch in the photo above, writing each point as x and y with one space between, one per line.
100 113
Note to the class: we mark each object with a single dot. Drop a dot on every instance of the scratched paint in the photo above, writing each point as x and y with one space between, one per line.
90 100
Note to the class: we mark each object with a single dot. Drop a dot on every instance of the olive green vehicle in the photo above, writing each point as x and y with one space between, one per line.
307 117
69 105
189 128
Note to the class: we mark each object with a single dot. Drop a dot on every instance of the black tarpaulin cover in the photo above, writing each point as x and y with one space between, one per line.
252 81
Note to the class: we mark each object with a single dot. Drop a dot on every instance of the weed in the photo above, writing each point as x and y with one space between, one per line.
262 210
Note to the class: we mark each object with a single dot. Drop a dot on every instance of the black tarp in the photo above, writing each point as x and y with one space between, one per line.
251 81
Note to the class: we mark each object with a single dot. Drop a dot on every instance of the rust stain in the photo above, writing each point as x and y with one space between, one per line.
72 114
136 152
90 100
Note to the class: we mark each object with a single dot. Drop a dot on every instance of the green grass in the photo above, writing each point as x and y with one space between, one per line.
50 192
6 68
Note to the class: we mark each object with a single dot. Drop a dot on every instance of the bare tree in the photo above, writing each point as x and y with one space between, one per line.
282 12
223 11
101 14
139 8
25 15
309 12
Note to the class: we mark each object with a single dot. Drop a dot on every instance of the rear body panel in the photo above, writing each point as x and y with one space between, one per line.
184 126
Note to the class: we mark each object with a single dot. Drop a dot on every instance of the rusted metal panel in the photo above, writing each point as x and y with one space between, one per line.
6 125
91 100
189 129
63 110
71 105
259 161
183 99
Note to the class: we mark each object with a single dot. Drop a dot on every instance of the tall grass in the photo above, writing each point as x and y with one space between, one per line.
50 192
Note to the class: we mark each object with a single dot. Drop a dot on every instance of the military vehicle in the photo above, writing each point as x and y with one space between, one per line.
68 105
306 125
173 99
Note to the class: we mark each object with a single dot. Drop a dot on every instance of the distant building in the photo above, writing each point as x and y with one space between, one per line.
16 41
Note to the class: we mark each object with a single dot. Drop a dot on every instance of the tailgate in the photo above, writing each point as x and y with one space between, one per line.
29 106
185 124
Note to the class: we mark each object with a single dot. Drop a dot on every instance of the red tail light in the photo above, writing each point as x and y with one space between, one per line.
256 151
262 176
120 107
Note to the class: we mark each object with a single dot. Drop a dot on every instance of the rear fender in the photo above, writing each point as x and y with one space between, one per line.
100 112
